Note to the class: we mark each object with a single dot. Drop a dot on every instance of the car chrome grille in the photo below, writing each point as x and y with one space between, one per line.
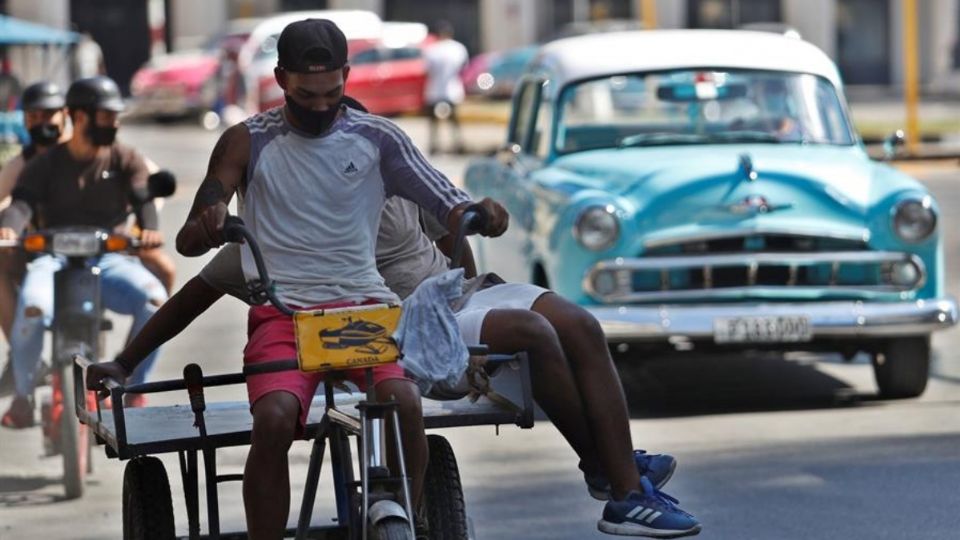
692 277
757 242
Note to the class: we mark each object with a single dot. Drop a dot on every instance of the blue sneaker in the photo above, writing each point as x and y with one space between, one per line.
650 513
658 468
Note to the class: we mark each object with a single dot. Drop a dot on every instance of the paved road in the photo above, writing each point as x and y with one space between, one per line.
768 448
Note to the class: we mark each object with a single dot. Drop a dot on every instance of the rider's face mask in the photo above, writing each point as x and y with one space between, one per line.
309 120
45 134
101 135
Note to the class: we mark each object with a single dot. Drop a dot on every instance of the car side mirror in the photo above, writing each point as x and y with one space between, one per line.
892 144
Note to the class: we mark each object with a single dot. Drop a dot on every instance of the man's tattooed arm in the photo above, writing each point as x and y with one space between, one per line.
225 176
210 193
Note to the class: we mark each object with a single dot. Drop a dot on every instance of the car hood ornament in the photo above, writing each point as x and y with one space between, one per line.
755 204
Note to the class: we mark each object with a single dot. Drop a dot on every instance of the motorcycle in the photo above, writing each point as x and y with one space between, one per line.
78 328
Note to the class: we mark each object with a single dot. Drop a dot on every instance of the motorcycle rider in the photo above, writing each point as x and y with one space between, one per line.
45 117
87 181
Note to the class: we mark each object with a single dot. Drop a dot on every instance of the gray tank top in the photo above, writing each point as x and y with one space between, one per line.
314 203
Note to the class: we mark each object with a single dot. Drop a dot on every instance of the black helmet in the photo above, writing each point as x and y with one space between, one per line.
42 95
95 93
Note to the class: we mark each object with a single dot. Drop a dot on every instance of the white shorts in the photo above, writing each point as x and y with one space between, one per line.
503 296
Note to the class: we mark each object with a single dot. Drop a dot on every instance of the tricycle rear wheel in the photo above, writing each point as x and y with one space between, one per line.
443 493
147 505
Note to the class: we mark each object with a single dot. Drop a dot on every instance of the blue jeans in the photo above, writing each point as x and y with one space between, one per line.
126 287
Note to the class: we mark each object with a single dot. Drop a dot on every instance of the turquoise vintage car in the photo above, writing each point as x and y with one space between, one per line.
705 189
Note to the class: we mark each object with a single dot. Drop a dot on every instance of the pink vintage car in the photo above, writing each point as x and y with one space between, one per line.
192 82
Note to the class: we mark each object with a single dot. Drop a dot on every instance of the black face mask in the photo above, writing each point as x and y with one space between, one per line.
102 135
313 122
45 134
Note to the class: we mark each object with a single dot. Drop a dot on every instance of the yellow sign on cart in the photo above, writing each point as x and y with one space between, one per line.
347 338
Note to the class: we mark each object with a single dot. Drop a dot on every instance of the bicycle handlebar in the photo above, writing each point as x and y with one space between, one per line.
235 231
472 221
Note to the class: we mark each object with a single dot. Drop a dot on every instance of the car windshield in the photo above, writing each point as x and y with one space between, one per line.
701 107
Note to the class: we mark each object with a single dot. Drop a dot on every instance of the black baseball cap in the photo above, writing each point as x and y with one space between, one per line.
312 46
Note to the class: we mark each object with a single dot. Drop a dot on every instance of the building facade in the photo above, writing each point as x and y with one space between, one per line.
864 37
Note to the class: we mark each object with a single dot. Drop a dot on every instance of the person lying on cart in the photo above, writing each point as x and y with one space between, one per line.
313 177
571 375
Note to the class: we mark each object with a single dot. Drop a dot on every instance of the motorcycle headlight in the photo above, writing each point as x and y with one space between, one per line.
597 227
77 244
914 219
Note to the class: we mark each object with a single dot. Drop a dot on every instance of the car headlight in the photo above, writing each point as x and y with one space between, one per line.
597 227
914 219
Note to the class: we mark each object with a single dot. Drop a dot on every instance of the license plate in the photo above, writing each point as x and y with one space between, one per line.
346 338
788 329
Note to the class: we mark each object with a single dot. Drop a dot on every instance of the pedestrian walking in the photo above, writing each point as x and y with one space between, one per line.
444 90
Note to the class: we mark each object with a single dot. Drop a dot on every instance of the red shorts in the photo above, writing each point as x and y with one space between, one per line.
270 337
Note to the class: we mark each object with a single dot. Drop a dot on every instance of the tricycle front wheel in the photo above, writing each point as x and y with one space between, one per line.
147 505
391 529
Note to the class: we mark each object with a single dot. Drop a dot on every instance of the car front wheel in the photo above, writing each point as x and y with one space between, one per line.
902 367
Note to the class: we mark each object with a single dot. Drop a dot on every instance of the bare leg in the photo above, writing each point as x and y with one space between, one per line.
554 387
266 477
412 433
434 143
600 389
457 135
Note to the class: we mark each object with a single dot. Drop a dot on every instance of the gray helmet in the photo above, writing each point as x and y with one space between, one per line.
42 95
95 93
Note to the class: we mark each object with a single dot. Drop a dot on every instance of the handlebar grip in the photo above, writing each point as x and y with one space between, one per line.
193 377
233 229
474 219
